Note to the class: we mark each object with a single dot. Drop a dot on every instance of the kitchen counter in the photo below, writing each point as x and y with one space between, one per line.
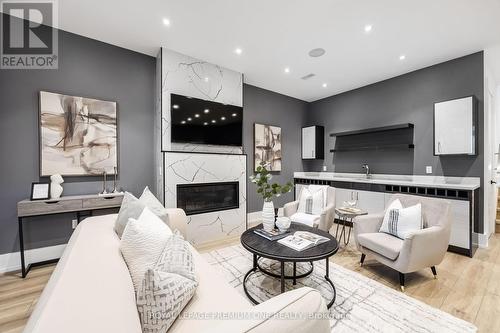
458 183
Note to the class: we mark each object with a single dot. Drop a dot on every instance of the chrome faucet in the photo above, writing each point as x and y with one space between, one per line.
366 167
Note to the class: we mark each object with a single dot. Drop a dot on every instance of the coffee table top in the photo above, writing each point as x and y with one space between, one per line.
274 250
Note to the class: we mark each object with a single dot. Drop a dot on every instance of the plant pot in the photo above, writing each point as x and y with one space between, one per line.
268 215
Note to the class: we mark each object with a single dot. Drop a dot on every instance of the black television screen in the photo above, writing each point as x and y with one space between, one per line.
205 122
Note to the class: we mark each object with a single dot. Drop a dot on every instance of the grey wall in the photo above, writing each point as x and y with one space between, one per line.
404 99
86 68
270 108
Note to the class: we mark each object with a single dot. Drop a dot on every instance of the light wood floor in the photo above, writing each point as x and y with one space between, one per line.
467 288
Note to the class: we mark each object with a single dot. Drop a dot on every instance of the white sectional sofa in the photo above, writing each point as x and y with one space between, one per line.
91 291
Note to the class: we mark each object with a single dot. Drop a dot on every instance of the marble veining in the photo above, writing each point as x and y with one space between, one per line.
187 168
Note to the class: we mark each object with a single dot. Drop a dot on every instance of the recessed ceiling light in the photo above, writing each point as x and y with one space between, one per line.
183 122
206 79
213 121
402 57
368 28
287 69
175 106
189 119
166 22
324 85
205 123
238 51
222 118
197 116
234 115
317 52
206 111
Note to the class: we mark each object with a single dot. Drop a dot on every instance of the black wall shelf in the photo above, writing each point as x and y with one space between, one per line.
378 147
374 129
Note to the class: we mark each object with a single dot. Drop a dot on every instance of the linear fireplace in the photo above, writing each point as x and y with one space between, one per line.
201 198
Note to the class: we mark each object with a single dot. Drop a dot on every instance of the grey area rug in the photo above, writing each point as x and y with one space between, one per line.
362 304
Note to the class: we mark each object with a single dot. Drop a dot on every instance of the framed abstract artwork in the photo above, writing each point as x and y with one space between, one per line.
78 135
267 146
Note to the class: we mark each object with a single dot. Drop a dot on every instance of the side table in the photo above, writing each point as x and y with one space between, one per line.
346 216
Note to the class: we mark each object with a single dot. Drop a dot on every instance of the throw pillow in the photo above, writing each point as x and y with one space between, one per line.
311 201
131 208
142 243
402 222
161 299
149 199
177 257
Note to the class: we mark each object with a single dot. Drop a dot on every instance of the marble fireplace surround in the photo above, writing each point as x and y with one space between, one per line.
196 168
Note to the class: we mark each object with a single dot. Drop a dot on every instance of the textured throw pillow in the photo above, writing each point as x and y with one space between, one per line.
131 208
167 288
403 221
161 299
177 257
142 243
311 201
154 205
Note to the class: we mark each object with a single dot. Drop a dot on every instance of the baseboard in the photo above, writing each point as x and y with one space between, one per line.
12 261
482 240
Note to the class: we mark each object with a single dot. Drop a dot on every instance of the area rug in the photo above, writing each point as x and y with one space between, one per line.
362 304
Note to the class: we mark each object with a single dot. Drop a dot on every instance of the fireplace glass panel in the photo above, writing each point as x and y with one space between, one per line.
207 197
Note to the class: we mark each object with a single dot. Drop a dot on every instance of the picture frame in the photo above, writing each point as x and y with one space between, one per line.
40 191
267 146
86 145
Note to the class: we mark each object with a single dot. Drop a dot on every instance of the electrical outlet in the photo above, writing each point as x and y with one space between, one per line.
428 169
324 168
74 224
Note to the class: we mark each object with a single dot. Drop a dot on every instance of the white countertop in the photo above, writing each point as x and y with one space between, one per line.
458 183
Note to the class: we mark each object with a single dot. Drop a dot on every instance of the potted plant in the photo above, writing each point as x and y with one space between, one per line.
268 191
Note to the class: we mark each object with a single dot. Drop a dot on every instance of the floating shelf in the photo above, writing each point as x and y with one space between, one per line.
379 147
374 129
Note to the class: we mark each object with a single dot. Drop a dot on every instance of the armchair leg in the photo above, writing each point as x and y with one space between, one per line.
433 269
362 260
402 281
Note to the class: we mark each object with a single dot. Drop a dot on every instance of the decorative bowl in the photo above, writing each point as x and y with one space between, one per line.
283 223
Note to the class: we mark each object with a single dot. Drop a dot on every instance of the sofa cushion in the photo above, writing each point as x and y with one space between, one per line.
177 258
307 219
381 243
142 243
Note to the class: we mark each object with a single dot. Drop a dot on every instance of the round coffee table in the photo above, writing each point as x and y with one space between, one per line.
261 247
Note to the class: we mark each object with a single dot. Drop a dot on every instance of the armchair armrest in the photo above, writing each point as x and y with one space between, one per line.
299 310
290 208
177 220
326 219
423 248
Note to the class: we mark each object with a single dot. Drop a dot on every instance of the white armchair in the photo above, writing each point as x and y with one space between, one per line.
323 221
423 248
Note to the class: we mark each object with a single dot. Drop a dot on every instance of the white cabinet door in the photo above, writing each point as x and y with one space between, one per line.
372 202
460 235
308 142
454 127
342 195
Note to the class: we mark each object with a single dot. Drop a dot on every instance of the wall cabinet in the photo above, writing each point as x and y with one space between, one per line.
455 127
313 142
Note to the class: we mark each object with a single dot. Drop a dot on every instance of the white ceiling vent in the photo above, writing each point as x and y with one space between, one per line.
308 76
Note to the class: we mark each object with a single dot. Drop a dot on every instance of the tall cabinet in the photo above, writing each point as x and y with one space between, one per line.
313 143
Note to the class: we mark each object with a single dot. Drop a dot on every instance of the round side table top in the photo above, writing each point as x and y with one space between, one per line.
342 212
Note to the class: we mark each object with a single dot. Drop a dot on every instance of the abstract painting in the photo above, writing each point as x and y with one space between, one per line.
78 136
267 146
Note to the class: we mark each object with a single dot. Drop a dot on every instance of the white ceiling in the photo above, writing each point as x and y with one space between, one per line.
274 34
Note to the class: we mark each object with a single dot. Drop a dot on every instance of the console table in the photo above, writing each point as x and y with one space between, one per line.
68 204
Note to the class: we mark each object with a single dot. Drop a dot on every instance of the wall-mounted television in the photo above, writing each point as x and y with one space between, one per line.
199 121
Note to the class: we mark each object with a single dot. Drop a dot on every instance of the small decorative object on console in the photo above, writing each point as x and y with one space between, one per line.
40 191
56 188
268 191
104 190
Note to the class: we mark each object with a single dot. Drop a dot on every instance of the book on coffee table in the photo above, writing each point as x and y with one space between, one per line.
302 240
271 235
